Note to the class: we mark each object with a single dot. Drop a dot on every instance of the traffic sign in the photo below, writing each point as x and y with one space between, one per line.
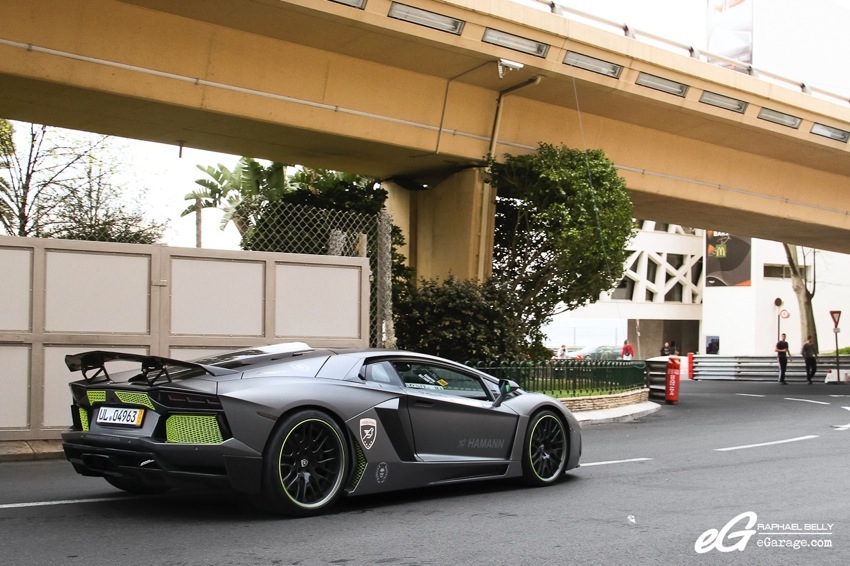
784 313
835 316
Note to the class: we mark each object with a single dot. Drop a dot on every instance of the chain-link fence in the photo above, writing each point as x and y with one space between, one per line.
300 229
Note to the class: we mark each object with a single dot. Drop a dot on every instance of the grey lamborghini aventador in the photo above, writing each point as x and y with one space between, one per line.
299 427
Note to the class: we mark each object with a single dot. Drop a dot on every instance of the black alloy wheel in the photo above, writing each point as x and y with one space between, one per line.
545 454
306 465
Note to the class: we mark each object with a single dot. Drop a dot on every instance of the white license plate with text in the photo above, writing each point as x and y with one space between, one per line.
120 416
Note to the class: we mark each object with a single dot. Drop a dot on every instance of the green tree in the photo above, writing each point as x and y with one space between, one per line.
240 192
281 228
459 319
563 221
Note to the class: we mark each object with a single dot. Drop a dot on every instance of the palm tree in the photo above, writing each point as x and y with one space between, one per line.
240 192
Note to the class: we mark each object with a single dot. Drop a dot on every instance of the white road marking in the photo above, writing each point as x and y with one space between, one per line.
765 443
807 401
844 427
748 395
615 462
62 502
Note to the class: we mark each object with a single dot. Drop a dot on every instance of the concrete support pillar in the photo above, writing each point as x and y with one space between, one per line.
448 227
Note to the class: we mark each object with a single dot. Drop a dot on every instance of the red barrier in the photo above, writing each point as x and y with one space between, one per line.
671 391
690 365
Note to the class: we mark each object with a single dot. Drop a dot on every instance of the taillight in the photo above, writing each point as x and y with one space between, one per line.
179 400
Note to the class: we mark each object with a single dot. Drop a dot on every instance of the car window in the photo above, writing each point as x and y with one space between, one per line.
381 372
440 379
293 367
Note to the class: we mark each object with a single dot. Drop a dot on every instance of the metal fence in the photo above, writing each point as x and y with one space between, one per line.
300 229
570 378
741 368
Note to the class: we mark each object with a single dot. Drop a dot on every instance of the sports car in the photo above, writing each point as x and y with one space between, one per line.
298 427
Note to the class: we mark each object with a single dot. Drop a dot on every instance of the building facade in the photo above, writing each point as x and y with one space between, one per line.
693 287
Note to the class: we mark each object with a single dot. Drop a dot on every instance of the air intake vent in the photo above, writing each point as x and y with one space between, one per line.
193 429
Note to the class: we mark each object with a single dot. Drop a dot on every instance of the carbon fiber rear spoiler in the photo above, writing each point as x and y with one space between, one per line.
153 367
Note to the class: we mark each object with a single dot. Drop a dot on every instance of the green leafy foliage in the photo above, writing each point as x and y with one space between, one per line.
459 319
250 194
563 221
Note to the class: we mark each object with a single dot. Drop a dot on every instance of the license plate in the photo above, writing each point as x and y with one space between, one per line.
120 416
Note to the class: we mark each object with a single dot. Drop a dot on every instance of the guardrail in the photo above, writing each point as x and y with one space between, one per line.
742 368
570 378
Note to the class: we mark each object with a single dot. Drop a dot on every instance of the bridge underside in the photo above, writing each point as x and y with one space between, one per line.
326 85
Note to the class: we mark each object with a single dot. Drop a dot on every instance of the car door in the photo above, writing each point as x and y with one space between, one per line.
452 413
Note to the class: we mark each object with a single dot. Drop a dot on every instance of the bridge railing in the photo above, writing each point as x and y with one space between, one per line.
569 378
689 50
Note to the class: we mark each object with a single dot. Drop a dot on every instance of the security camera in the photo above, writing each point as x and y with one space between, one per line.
512 65
506 65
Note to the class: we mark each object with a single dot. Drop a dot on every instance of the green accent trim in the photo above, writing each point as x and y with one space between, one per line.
96 397
361 466
193 429
133 398
84 418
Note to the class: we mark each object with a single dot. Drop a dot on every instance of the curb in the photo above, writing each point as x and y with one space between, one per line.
27 450
626 413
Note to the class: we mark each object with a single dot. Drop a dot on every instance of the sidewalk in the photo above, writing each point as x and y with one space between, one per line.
617 414
20 450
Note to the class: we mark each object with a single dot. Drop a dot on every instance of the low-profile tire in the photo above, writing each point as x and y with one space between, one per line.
305 465
133 486
545 451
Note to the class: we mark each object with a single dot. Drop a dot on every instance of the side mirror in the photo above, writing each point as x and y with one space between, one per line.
506 387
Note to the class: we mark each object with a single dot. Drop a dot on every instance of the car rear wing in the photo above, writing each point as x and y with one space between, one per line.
152 367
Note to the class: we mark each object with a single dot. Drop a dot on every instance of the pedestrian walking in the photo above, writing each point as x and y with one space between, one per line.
782 356
628 351
810 355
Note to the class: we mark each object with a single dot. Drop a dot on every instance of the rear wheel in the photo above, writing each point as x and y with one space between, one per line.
305 465
545 452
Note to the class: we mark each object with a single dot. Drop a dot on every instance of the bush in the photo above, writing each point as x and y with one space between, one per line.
459 320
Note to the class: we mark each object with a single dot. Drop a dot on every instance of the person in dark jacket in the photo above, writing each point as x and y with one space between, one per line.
810 355
782 356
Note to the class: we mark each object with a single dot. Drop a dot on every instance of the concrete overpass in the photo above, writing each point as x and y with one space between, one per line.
419 98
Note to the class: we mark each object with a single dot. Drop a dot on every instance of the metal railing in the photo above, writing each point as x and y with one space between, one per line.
569 378
741 368
562 10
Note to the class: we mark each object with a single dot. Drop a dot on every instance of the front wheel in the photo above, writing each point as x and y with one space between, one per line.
305 465
545 452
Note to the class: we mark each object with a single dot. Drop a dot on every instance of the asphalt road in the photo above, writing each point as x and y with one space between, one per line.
648 492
